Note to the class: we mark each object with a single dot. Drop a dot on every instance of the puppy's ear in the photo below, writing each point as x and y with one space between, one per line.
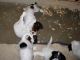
70 47
23 45
54 54
61 56
32 6
29 39
37 26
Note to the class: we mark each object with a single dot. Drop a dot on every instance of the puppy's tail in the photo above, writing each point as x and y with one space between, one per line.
50 41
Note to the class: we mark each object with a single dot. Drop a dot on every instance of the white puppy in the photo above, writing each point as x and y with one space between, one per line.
26 47
26 21
75 48
50 53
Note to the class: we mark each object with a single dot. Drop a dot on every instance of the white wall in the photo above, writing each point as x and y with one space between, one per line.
18 1
40 2
31 1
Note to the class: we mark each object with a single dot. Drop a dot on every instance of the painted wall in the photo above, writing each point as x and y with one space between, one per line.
49 3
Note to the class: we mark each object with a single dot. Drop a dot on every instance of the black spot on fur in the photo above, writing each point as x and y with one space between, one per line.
76 0
37 26
59 56
29 39
32 6
35 39
23 45
70 47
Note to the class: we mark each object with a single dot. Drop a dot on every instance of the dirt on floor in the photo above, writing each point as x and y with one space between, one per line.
63 24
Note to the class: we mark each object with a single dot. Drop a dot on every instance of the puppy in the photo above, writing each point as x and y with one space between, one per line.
26 21
56 55
75 48
37 26
50 53
26 47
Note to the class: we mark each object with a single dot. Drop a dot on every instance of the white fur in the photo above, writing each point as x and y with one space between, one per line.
76 48
21 27
27 52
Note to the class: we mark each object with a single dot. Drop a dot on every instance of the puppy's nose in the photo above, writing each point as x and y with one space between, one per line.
23 45
70 47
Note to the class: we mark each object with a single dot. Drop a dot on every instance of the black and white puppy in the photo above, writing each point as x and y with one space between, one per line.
50 53
56 55
27 22
75 48
26 47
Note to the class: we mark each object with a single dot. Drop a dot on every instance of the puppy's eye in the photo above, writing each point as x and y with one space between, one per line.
29 38
35 2
32 6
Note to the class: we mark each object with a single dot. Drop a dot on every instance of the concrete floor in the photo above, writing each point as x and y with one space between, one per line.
64 26
12 51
